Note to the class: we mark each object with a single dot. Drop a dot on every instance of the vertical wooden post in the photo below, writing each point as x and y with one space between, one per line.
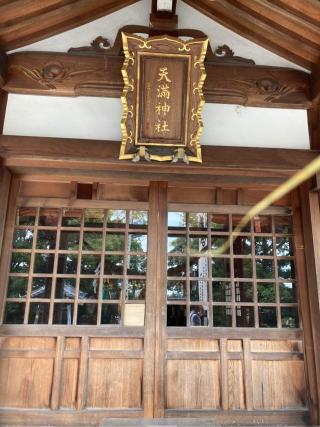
311 232
314 127
5 180
155 329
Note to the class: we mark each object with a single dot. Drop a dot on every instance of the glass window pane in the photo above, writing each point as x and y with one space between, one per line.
138 219
177 244
176 220
26 216
176 290
20 262
112 289
262 224
221 267
243 268
137 265
71 218
90 264
267 317
219 222
38 313
283 224
242 245
288 292
136 290
116 218
43 263
22 239
199 290
17 287
63 314
46 239
176 266
49 217
87 314
198 315
137 242
221 292
88 288
92 241
266 292
110 314
284 246
198 244
244 291
289 317
264 246
199 267
113 264
198 221
176 315
65 288
14 313
41 287
67 264
93 218
286 269
245 317
264 269
222 316
219 245
115 242
236 219
69 240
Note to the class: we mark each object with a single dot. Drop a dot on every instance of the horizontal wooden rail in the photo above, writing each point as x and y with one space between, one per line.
244 84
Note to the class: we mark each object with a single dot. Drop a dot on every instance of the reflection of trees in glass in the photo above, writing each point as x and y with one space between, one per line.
266 292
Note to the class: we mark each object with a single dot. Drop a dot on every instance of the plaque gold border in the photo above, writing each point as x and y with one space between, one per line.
146 46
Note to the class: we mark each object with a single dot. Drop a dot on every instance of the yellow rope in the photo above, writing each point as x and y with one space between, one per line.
298 178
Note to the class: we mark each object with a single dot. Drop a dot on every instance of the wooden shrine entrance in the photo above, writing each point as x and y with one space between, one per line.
118 304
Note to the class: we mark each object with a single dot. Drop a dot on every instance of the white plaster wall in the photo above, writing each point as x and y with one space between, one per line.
99 118
138 14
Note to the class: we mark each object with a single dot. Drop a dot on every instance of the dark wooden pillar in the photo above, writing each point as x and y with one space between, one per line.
314 127
310 211
5 176
3 94
5 179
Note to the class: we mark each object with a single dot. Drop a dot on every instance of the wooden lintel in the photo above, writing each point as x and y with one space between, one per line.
62 156
63 74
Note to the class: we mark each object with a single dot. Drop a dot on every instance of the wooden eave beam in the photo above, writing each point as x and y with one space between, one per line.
63 74
77 157
49 22
257 31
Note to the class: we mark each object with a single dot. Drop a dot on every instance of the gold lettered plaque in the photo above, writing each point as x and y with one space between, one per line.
162 98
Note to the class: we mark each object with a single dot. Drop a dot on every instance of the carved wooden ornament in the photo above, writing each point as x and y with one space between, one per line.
162 98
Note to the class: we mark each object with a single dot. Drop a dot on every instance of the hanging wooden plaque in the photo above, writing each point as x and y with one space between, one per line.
162 98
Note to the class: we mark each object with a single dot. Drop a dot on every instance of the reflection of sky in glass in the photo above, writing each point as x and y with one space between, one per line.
176 219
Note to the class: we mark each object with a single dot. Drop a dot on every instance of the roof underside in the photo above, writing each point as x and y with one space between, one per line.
289 28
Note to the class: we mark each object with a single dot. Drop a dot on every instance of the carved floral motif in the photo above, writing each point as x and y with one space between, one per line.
51 74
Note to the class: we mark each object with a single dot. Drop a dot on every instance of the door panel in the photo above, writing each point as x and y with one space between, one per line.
97 317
